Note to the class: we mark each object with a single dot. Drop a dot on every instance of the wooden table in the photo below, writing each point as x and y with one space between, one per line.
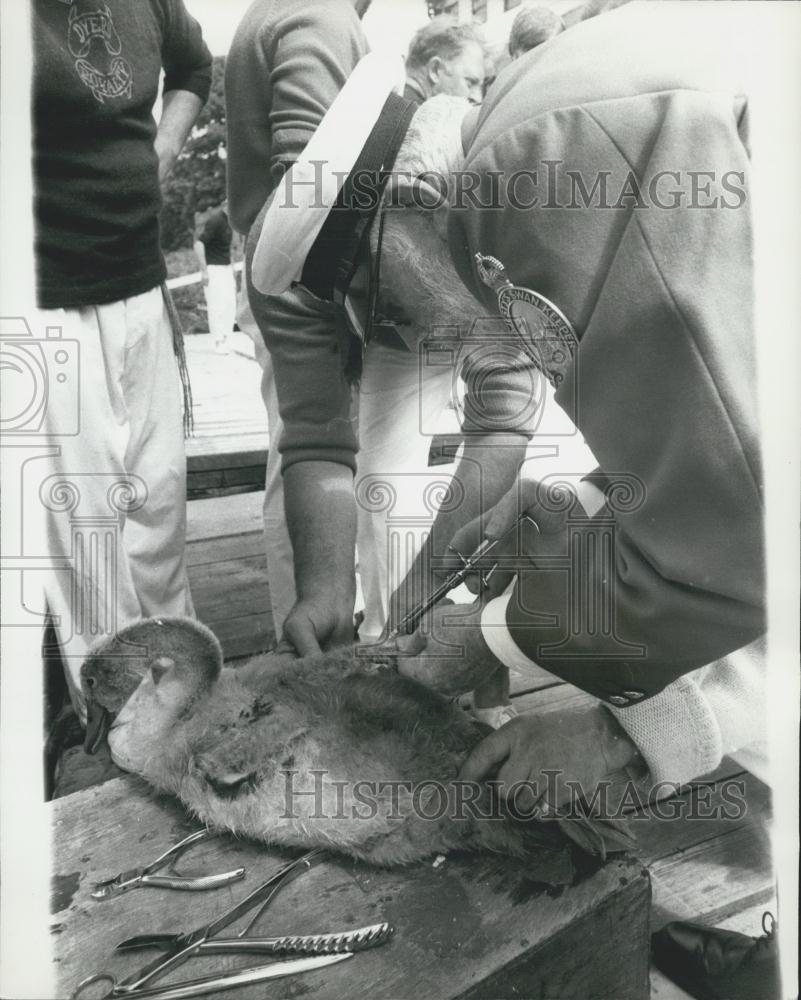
470 927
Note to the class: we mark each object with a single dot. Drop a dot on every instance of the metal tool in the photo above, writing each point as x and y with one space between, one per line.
359 939
470 564
182 947
135 878
214 983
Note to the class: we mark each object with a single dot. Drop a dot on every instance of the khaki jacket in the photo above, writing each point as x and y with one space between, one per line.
635 126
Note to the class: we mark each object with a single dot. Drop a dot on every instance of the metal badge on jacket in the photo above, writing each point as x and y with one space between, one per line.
547 333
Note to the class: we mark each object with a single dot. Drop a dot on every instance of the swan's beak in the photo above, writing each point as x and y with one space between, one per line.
98 723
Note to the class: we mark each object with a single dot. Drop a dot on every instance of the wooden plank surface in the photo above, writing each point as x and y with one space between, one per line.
227 568
226 390
224 482
466 927
220 517
234 450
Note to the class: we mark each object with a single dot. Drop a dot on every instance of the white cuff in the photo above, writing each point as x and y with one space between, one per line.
493 617
675 731
500 642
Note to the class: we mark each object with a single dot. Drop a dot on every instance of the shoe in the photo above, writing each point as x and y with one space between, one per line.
713 964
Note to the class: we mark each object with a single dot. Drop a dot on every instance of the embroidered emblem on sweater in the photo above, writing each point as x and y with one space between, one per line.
114 76
548 335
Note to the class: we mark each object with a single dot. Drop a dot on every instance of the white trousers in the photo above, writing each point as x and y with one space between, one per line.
115 500
220 300
401 402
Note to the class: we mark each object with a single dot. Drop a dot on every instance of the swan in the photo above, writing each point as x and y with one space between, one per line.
325 751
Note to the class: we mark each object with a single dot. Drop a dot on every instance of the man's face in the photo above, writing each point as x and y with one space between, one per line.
462 76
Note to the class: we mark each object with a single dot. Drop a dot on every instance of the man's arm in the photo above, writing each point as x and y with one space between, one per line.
321 517
486 471
179 113
499 418
318 447
314 54
579 567
187 81
310 57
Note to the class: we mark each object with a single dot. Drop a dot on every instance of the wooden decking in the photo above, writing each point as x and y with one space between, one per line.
228 572
703 866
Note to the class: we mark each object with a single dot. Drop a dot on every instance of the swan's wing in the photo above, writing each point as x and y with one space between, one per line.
234 756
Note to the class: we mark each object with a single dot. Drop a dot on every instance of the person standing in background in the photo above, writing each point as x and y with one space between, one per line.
213 250
532 27
115 500
445 58
286 64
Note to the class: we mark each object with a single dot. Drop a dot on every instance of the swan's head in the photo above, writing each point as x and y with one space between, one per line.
144 677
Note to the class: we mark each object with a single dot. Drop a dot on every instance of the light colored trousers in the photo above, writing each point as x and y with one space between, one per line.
220 296
115 498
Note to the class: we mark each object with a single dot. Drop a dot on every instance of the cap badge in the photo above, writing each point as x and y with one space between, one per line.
547 333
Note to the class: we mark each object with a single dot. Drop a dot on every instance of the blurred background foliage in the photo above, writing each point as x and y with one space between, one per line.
197 182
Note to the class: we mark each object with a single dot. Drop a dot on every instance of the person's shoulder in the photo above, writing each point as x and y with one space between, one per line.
267 22
333 17
262 23
627 53
168 10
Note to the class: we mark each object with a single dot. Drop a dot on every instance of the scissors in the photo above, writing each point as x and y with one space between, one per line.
470 564
316 951
136 878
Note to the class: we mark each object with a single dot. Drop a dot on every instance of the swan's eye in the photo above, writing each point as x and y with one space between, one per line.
90 681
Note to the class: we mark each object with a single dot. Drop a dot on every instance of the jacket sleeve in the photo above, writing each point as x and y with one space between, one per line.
505 392
659 290
185 56
685 730
309 351
310 54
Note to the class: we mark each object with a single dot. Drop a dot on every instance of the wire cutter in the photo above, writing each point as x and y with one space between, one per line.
135 878
315 951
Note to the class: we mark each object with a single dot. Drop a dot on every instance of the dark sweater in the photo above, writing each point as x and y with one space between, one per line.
97 68
216 238
288 61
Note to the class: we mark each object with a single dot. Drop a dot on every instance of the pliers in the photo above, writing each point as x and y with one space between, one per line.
135 878
314 951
